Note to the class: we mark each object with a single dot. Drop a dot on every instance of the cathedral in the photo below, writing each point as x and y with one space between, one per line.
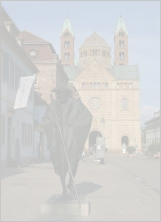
109 87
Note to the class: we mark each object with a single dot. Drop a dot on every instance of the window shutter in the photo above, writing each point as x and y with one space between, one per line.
19 76
16 81
22 134
3 141
27 135
13 74
30 135
25 142
6 67
1 129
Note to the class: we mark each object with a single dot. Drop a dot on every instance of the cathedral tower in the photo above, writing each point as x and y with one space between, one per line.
67 44
121 43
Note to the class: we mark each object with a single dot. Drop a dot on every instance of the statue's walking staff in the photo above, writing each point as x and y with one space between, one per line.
65 150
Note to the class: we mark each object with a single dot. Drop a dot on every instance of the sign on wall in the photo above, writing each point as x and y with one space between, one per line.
24 91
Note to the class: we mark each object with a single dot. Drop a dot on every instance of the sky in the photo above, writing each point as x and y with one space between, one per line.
142 18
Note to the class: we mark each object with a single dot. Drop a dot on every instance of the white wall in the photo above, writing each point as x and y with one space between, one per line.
19 116
39 112
38 115
8 96
6 91
36 143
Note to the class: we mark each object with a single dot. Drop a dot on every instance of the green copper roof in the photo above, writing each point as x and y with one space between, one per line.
72 71
67 25
121 24
126 72
76 63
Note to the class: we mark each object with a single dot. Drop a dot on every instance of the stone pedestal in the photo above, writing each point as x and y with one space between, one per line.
56 205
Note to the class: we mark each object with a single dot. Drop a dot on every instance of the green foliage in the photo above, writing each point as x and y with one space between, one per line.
130 149
154 148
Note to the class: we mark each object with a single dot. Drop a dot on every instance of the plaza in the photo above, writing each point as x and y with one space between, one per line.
124 189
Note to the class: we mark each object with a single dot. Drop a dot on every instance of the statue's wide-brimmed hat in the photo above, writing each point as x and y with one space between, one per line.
61 88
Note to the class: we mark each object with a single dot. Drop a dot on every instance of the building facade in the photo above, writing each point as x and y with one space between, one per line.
44 57
109 90
16 125
151 131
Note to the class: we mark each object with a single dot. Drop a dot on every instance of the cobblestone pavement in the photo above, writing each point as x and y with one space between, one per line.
120 190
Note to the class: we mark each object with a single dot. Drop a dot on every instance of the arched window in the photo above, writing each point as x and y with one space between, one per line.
66 44
98 85
124 104
66 34
127 85
106 85
121 54
91 85
95 85
121 34
87 85
83 85
102 85
67 55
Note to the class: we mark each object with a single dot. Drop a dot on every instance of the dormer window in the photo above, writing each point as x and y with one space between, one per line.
33 52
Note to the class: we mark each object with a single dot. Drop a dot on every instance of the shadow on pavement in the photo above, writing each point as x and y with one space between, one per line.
87 187
11 171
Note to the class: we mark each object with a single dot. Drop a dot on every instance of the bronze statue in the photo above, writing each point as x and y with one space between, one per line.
67 122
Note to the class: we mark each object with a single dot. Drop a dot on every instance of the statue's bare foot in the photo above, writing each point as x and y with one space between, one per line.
72 189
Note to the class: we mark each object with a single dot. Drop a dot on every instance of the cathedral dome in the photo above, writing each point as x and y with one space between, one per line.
95 48
94 40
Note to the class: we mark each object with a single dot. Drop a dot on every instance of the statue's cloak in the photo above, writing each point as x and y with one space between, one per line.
75 122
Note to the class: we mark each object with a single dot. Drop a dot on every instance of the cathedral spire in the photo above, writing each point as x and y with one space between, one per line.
121 43
67 26
67 43
121 25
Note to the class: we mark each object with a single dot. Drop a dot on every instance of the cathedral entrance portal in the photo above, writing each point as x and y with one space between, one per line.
92 137
125 140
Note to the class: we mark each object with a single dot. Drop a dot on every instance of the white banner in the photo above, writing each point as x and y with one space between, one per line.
24 91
